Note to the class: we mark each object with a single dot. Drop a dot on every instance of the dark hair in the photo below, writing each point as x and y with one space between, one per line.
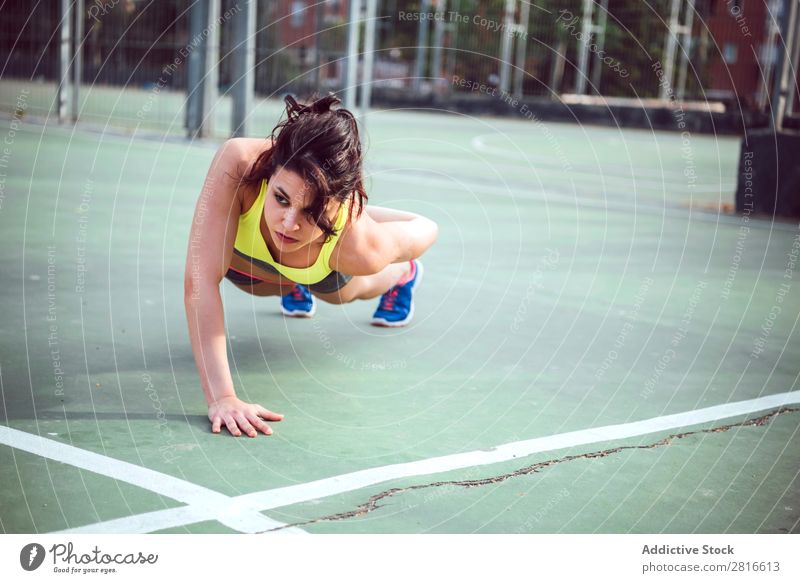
322 145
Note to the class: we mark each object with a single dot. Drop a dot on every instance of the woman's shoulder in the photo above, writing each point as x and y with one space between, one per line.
241 153
236 157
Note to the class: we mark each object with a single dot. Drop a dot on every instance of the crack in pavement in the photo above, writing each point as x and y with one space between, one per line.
372 503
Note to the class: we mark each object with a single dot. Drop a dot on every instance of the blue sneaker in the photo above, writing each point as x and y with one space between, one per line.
396 307
298 303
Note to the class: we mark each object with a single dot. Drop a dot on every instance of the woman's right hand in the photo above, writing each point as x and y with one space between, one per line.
240 417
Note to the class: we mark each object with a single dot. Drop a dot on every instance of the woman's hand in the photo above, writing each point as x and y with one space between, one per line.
239 417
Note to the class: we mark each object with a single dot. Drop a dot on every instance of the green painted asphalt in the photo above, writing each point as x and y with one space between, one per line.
582 285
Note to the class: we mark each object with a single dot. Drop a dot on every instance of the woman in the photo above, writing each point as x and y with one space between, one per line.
289 217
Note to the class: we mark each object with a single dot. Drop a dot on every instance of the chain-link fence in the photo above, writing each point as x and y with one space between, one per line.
708 50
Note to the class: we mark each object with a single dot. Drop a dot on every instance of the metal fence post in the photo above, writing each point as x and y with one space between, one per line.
505 47
63 97
353 34
244 62
369 57
77 65
422 41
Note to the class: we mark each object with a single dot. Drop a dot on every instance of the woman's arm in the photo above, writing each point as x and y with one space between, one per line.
396 241
382 215
382 236
213 232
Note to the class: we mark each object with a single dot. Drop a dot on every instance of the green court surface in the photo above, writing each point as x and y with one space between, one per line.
584 278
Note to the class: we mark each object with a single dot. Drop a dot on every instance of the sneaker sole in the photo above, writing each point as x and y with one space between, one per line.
400 323
299 313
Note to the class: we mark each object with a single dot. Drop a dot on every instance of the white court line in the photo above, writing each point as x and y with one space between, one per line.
232 512
278 497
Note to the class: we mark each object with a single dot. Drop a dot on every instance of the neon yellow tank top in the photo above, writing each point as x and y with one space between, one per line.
251 245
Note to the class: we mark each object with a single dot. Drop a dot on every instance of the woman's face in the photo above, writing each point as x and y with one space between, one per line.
290 226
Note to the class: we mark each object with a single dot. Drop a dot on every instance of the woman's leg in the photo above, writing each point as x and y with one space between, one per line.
365 287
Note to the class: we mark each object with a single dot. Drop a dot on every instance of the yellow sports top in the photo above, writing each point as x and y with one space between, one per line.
250 244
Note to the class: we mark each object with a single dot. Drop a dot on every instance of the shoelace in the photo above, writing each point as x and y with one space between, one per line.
298 294
388 299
